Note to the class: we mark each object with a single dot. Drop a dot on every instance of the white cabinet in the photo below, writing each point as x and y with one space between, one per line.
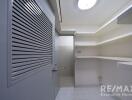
86 73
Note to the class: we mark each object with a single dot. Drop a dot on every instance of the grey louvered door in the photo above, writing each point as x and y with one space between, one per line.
26 50
30 40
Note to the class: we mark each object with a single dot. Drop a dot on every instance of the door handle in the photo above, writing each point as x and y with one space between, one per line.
54 69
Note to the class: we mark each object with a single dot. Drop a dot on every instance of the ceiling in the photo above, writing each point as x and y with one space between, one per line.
89 21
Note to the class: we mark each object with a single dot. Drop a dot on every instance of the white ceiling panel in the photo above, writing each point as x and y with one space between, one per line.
88 21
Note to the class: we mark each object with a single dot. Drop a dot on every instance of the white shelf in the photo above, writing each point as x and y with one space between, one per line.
80 57
115 38
105 58
115 17
107 41
125 63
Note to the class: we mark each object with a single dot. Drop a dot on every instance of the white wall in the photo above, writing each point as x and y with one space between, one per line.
86 51
117 31
85 40
66 60
121 48
81 48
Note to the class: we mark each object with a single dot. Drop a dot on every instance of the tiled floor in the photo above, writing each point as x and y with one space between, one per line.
68 92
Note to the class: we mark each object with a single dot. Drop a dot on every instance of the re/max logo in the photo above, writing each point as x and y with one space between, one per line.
116 89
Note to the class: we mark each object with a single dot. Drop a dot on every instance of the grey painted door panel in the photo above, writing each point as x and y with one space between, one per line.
30 42
38 86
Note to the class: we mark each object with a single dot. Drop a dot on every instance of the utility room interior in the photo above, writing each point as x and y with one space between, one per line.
66 50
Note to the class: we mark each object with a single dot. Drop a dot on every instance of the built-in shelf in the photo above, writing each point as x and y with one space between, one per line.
119 13
105 58
115 38
125 63
107 41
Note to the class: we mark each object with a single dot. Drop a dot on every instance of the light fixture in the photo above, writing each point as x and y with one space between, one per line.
86 4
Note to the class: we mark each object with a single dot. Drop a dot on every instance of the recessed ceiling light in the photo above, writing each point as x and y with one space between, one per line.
86 4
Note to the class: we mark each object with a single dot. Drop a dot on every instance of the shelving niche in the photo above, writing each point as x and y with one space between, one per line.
103 54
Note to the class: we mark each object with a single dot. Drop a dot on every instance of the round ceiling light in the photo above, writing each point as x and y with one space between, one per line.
86 4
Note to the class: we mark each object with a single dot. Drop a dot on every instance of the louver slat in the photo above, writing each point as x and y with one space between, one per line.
31 40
